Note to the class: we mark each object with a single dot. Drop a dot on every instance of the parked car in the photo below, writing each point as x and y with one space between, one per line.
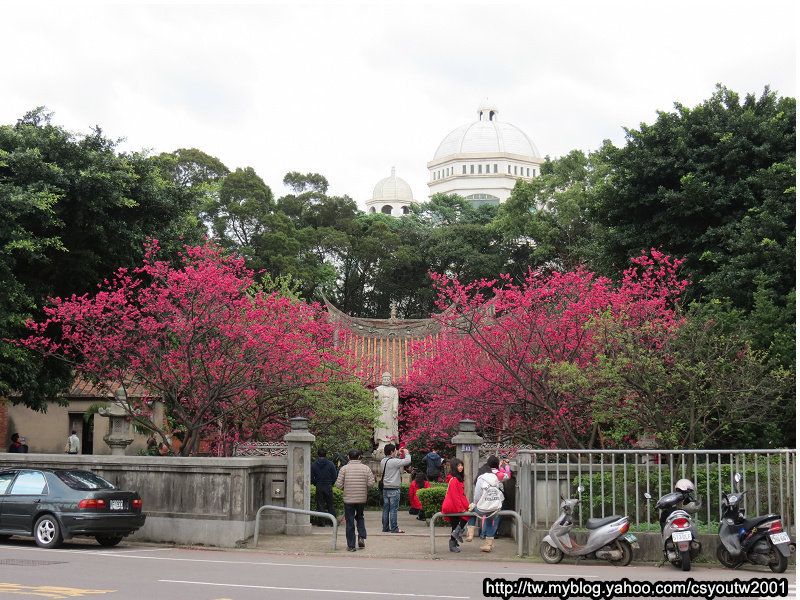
56 504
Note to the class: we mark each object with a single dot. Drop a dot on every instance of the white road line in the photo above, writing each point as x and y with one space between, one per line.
292 589
342 567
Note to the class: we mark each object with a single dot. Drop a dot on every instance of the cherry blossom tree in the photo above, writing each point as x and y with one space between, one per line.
521 359
231 362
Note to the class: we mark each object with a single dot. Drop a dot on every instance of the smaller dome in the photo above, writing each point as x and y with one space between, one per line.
392 189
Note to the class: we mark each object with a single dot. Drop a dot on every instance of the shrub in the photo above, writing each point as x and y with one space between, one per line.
432 498
338 503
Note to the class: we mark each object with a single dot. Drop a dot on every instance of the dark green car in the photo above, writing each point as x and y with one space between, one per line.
53 505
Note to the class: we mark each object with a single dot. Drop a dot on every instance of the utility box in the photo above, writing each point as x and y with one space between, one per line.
278 488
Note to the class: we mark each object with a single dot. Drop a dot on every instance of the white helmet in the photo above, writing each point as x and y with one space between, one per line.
684 485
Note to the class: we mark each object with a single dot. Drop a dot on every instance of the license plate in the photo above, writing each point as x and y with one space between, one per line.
632 540
682 536
117 505
780 538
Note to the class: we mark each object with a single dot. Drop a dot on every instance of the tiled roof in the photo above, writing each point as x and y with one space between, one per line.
382 344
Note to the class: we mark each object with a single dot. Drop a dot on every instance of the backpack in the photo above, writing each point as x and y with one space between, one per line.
492 496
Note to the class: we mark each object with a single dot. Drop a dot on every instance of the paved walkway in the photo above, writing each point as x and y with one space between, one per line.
414 543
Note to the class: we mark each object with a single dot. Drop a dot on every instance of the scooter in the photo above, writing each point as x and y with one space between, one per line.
608 538
759 541
678 534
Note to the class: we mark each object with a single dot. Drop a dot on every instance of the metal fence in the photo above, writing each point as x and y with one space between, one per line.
615 482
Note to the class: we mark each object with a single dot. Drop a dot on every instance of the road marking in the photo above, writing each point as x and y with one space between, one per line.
48 591
292 589
341 567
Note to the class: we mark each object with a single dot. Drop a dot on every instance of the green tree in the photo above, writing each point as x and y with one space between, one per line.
74 209
714 183
547 220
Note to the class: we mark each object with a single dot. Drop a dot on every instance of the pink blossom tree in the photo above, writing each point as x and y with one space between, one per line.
522 359
230 361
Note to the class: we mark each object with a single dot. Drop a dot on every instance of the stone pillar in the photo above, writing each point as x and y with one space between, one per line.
298 475
524 497
468 444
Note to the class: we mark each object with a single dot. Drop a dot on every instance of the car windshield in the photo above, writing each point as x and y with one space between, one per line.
84 480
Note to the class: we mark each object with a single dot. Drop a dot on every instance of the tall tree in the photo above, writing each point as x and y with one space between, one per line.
74 209
714 183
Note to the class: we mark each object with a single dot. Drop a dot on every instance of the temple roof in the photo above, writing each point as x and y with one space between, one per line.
383 344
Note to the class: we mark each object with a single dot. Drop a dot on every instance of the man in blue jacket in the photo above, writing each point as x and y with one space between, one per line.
323 476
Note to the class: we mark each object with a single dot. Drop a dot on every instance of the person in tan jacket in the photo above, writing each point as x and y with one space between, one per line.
355 479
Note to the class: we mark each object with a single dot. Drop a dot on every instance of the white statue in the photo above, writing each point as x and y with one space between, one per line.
388 399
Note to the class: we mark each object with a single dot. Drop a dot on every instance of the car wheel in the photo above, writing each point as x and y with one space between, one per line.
47 532
4 537
108 540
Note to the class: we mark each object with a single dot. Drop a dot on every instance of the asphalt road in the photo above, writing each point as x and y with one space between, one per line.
136 572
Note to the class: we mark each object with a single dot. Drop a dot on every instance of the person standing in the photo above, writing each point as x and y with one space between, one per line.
392 468
323 476
355 478
433 465
73 443
455 501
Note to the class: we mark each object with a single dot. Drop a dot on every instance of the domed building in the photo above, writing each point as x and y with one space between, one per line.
391 196
481 161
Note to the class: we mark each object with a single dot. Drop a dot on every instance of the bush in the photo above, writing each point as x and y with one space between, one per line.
338 503
375 497
431 499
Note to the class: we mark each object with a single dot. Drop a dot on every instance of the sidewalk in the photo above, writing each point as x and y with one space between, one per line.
414 543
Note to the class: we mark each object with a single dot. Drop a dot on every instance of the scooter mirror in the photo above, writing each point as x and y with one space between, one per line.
737 478
648 496
580 489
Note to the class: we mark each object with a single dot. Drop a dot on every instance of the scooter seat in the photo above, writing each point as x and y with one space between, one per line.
596 523
756 521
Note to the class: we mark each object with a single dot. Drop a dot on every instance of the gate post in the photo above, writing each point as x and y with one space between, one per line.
525 491
298 475
468 444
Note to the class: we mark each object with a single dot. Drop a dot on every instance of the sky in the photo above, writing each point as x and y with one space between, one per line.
351 89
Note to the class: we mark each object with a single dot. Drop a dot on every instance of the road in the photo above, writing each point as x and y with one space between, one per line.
137 571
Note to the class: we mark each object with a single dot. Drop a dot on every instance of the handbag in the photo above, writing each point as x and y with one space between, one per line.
66 447
380 483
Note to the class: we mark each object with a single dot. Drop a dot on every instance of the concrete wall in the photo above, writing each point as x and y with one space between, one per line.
209 501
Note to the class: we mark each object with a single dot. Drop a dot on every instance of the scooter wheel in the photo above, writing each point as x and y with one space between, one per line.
777 561
549 554
627 554
725 558
686 561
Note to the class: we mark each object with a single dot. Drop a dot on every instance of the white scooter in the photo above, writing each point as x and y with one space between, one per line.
608 538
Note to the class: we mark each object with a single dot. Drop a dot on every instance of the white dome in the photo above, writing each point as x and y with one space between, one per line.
487 135
392 189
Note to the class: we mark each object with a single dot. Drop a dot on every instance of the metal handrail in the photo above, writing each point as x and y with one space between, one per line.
301 511
502 513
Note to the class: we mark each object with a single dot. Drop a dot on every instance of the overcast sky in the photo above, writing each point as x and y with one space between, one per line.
351 89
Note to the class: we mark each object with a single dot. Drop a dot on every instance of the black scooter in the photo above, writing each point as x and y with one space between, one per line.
759 541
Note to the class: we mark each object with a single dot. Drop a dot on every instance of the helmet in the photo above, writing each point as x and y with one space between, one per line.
684 485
